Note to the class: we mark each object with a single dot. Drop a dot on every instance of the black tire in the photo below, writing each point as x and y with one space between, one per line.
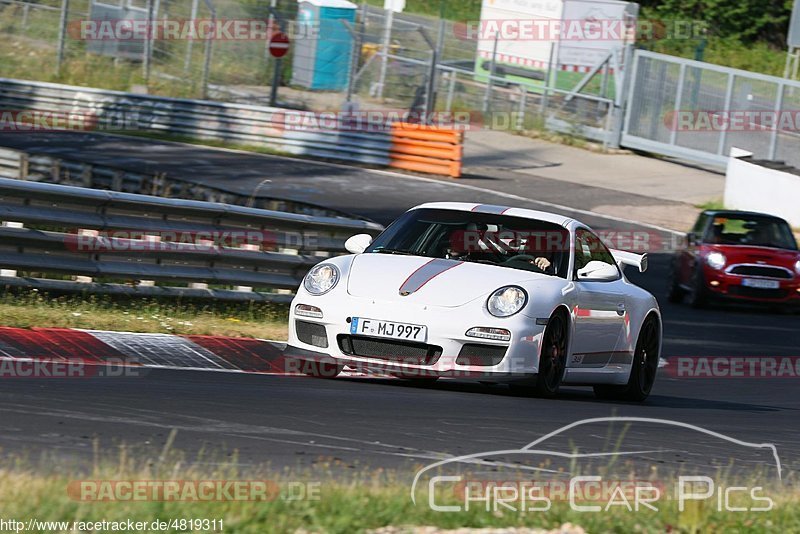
698 296
322 369
553 359
643 369
675 292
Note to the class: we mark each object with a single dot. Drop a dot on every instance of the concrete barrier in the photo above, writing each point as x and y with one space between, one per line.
751 185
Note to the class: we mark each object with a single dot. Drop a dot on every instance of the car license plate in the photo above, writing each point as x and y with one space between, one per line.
761 284
373 327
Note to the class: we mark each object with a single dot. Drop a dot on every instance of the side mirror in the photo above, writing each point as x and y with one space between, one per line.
358 243
598 271
692 239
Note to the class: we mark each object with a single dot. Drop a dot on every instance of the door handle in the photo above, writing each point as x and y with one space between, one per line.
620 309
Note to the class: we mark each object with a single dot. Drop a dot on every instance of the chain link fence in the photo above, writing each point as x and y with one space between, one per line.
699 111
374 60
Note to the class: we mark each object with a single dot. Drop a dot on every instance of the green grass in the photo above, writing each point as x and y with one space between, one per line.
715 204
342 500
26 309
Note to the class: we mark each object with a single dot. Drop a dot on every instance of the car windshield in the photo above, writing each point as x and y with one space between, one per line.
750 230
505 241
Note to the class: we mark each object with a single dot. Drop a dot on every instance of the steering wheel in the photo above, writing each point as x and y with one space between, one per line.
527 258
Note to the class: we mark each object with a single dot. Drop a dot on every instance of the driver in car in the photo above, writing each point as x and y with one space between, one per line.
490 240
541 262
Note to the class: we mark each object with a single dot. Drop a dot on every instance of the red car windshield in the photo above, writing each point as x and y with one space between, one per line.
751 231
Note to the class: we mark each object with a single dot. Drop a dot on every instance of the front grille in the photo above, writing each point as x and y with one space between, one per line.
390 350
311 333
759 270
757 292
479 354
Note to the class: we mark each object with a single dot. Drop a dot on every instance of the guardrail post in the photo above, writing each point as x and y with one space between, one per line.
24 166
55 171
247 246
116 180
76 254
87 233
157 184
86 175
201 243
149 239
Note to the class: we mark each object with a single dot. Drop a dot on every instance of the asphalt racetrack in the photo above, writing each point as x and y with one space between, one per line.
372 422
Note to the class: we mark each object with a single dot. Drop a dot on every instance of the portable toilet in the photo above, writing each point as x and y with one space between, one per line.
324 50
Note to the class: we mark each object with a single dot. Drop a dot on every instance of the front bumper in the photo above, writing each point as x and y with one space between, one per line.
446 341
729 286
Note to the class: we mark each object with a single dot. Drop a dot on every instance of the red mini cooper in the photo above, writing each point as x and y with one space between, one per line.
738 255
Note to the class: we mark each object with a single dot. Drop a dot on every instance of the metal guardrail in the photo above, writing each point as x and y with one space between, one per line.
204 119
112 242
21 165
294 132
255 125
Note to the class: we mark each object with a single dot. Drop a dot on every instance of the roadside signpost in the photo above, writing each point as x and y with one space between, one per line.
279 45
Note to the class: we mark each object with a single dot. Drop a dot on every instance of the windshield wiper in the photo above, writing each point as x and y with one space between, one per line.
393 251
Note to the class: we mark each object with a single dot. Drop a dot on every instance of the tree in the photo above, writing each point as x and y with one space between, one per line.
745 20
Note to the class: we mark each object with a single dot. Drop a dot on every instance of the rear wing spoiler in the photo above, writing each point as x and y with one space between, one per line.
629 258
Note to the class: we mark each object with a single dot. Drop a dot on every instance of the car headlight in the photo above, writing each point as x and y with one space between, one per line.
507 301
321 279
716 260
797 267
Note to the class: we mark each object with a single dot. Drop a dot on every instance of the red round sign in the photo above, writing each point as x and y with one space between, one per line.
279 44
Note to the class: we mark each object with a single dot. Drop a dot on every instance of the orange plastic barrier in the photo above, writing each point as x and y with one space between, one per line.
424 148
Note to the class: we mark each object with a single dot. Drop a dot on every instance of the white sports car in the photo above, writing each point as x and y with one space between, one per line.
484 292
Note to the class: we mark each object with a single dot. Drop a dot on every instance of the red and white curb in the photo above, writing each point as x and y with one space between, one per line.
164 351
